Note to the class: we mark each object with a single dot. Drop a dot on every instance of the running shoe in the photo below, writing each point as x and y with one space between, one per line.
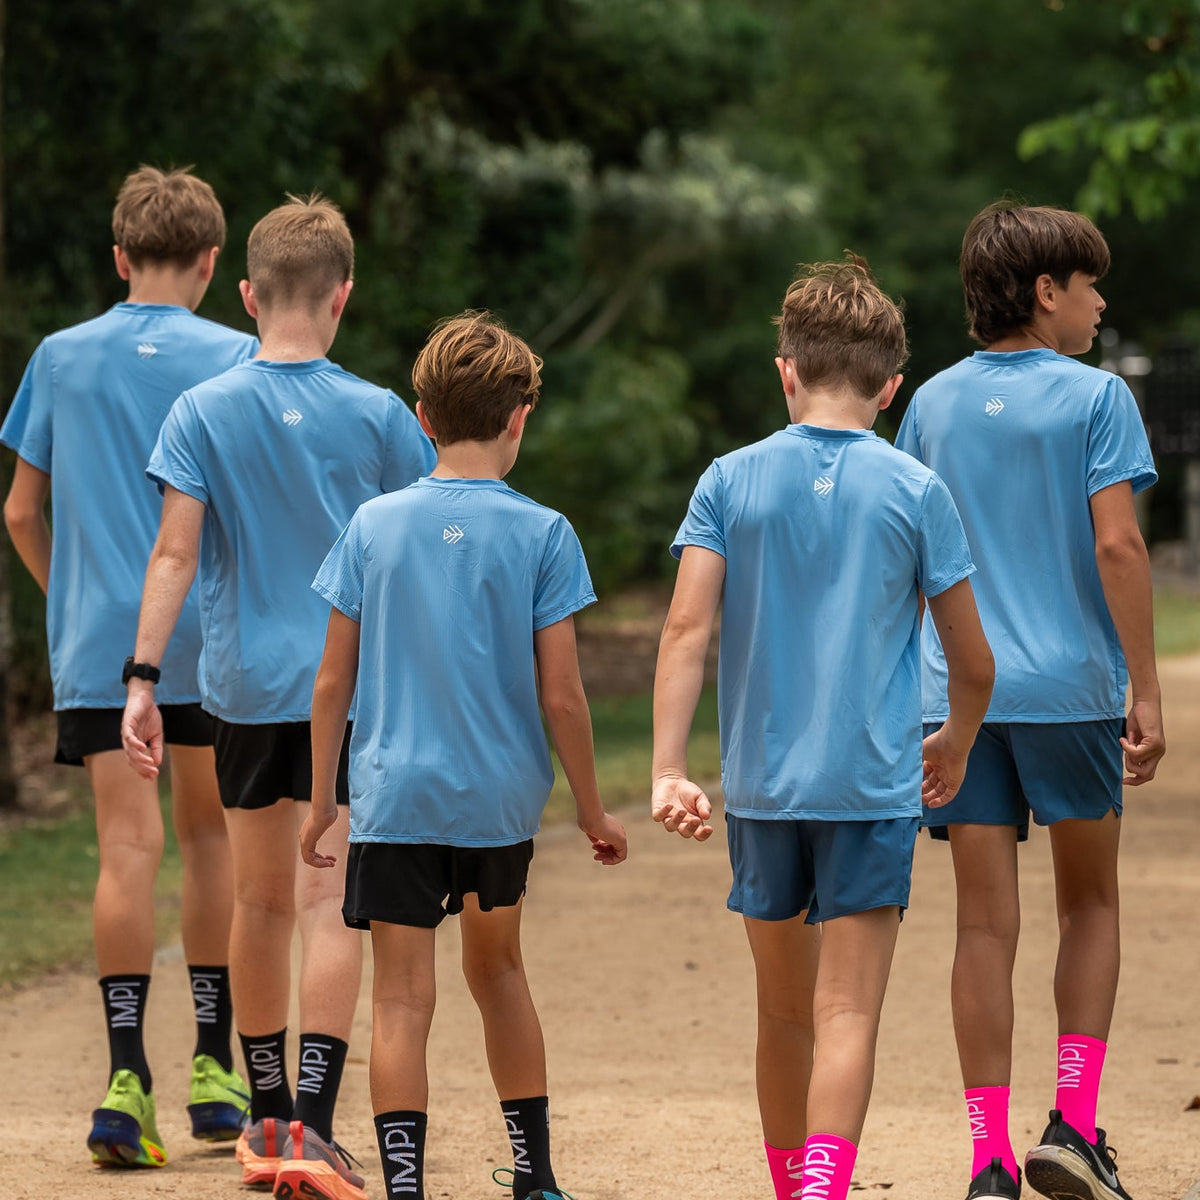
124 1131
217 1102
1066 1166
995 1183
536 1194
314 1169
260 1151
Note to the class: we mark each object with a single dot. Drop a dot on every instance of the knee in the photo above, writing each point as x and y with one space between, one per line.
401 1004
490 972
998 927
790 1010
264 900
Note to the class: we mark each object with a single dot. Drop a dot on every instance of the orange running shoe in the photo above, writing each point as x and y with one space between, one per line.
260 1151
313 1168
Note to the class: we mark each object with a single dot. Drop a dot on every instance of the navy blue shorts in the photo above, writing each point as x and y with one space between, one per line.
1058 772
828 869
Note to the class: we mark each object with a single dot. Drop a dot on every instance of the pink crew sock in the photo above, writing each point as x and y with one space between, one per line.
1080 1062
987 1110
828 1167
787 1170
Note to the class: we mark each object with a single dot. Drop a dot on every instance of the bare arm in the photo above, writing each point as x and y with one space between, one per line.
169 574
679 804
971 673
570 723
333 694
25 516
1124 568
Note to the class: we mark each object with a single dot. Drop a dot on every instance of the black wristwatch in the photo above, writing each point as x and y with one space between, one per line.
137 670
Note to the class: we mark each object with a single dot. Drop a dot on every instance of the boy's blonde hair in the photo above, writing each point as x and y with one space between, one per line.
166 217
839 328
299 252
1006 247
471 374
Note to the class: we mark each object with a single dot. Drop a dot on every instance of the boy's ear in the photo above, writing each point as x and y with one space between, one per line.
889 391
251 304
121 261
206 263
423 420
340 297
787 376
1044 292
517 418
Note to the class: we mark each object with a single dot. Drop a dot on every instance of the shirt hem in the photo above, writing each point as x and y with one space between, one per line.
1020 718
825 814
564 611
439 839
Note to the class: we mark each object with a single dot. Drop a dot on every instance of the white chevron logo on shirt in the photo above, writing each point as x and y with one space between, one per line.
292 417
823 486
147 350
993 406
452 534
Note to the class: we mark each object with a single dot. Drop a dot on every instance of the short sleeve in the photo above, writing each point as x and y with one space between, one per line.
907 439
1118 449
29 427
340 579
704 524
410 454
943 556
563 583
176 459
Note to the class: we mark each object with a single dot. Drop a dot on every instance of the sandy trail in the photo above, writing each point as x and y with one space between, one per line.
645 988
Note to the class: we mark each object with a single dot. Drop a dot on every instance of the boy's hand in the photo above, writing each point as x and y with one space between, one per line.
945 765
608 840
1143 743
142 730
680 806
315 825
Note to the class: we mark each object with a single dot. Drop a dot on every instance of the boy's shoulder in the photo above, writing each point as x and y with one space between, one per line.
885 457
1031 368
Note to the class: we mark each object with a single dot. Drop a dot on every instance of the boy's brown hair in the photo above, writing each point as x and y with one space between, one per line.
299 252
471 374
839 328
1006 247
166 217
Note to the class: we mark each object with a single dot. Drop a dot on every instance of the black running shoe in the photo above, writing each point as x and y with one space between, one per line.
995 1183
1066 1166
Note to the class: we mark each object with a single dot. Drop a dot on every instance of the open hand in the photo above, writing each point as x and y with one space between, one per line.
681 806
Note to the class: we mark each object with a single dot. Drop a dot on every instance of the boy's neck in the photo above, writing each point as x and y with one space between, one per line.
833 410
167 285
1033 338
294 336
473 460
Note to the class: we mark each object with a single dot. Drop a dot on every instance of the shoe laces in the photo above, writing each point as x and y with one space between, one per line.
1102 1147
512 1175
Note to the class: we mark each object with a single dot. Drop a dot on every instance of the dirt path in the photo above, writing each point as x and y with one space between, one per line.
646 992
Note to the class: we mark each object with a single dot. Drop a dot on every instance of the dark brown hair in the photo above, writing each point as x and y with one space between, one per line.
1006 247
471 374
300 252
166 217
839 328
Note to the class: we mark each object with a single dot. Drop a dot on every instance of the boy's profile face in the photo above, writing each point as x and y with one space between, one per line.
1076 315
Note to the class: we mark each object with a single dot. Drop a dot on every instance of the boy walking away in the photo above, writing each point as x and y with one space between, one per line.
819 540
1043 456
452 610
83 424
270 460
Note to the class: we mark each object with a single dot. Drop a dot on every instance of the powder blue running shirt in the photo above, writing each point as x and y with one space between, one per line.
449 580
282 454
1023 440
827 535
87 412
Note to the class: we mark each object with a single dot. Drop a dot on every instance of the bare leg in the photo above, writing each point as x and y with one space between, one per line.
1089 945
404 996
989 921
129 833
495 974
855 960
204 849
331 952
785 965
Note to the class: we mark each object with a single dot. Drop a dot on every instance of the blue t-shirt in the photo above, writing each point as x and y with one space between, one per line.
1023 440
281 453
87 412
449 580
827 535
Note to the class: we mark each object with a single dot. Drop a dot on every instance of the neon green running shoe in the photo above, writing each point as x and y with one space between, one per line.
124 1130
217 1102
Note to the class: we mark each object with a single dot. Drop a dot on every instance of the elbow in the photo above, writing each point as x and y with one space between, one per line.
19 518
565 704
1121 550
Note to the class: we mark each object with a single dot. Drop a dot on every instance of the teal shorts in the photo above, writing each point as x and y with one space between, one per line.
1056 772
826 869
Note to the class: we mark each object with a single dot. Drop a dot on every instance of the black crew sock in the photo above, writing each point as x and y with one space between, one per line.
528 1125
318 1078
401 1138
125 1016
266 1065
214 1013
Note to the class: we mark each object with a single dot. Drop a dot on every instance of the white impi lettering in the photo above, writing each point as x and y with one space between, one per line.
401 1151
267 1067
1070 1065
314 1062
820 1167
976 1116
205 994
123 1001
516 1135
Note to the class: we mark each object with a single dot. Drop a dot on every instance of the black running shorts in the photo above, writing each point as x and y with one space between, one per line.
260 764
85 731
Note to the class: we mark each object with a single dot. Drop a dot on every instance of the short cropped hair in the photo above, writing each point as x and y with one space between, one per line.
1006 247
839 328
299 252
471 374
166 217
